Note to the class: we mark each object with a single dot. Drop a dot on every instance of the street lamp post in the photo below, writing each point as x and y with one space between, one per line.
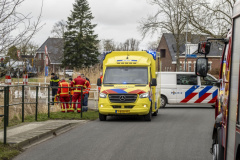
185 66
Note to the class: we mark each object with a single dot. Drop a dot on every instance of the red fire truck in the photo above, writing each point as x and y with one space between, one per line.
226 132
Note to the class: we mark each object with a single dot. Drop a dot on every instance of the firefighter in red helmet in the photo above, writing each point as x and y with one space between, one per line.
78 82
63 93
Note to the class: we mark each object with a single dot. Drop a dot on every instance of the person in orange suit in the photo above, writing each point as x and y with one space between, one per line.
63 93
86 94
78 82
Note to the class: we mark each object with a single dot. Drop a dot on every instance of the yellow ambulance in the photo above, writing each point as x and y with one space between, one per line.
128 86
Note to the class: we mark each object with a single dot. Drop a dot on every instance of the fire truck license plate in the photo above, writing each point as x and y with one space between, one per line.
122 111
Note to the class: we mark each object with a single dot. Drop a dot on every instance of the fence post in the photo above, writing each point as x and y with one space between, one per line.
36 114
5 116
48 101
23 103
7 107
81 100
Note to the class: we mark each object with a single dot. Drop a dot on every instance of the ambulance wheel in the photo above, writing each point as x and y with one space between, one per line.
102 117
155 113
148 117
163 101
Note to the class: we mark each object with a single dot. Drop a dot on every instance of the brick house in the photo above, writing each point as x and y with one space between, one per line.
167 50
55 52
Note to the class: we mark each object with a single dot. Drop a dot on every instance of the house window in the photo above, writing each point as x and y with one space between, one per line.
194 66
39 56
209 66
163 53
189 67
180 68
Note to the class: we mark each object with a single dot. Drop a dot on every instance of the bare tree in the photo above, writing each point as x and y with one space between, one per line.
16 29
130 44
212 19
169 18
29 49
108 45
59 29
153 45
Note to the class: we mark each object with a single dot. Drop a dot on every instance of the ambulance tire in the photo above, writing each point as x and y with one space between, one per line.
155 113
102 117
148 117
163 101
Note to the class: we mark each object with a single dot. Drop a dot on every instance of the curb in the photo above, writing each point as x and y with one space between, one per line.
47 135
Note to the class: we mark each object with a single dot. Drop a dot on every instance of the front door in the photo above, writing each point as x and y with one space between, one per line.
207 92
187 88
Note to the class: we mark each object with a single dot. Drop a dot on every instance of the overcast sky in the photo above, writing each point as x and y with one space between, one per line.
115 19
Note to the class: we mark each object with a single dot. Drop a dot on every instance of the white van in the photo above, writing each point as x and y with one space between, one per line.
186 88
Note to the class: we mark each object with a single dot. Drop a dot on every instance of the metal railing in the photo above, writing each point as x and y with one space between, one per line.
6 105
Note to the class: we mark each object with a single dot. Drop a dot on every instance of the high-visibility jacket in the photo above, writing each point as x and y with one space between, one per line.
99 88
87 89
54 81
79 82
63 91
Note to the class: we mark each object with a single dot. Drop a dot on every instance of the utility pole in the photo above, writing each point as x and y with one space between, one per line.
186 51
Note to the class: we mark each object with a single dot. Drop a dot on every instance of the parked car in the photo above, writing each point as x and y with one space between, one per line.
69 73
187 88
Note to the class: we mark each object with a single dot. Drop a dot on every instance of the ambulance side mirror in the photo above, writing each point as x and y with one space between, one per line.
201 67
154 82
99 82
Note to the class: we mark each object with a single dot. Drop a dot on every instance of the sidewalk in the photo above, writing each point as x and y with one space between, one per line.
28 133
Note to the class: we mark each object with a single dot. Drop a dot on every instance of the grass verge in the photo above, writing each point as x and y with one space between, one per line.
89 115
8 152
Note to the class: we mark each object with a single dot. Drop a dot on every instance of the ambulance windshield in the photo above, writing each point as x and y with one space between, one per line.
126 75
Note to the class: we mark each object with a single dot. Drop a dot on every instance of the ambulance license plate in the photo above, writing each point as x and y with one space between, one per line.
122 111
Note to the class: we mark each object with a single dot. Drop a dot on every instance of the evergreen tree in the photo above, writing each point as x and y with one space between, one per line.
12 52
80 42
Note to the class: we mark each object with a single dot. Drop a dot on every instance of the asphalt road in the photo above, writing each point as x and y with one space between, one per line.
177 133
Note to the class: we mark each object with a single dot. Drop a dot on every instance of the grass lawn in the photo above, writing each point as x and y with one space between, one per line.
8 152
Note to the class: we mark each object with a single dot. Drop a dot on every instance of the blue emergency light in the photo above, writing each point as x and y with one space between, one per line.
153 53
105 53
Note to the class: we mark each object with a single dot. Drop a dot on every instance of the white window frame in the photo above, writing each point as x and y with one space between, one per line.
194 65
39 56
189 67
209 66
